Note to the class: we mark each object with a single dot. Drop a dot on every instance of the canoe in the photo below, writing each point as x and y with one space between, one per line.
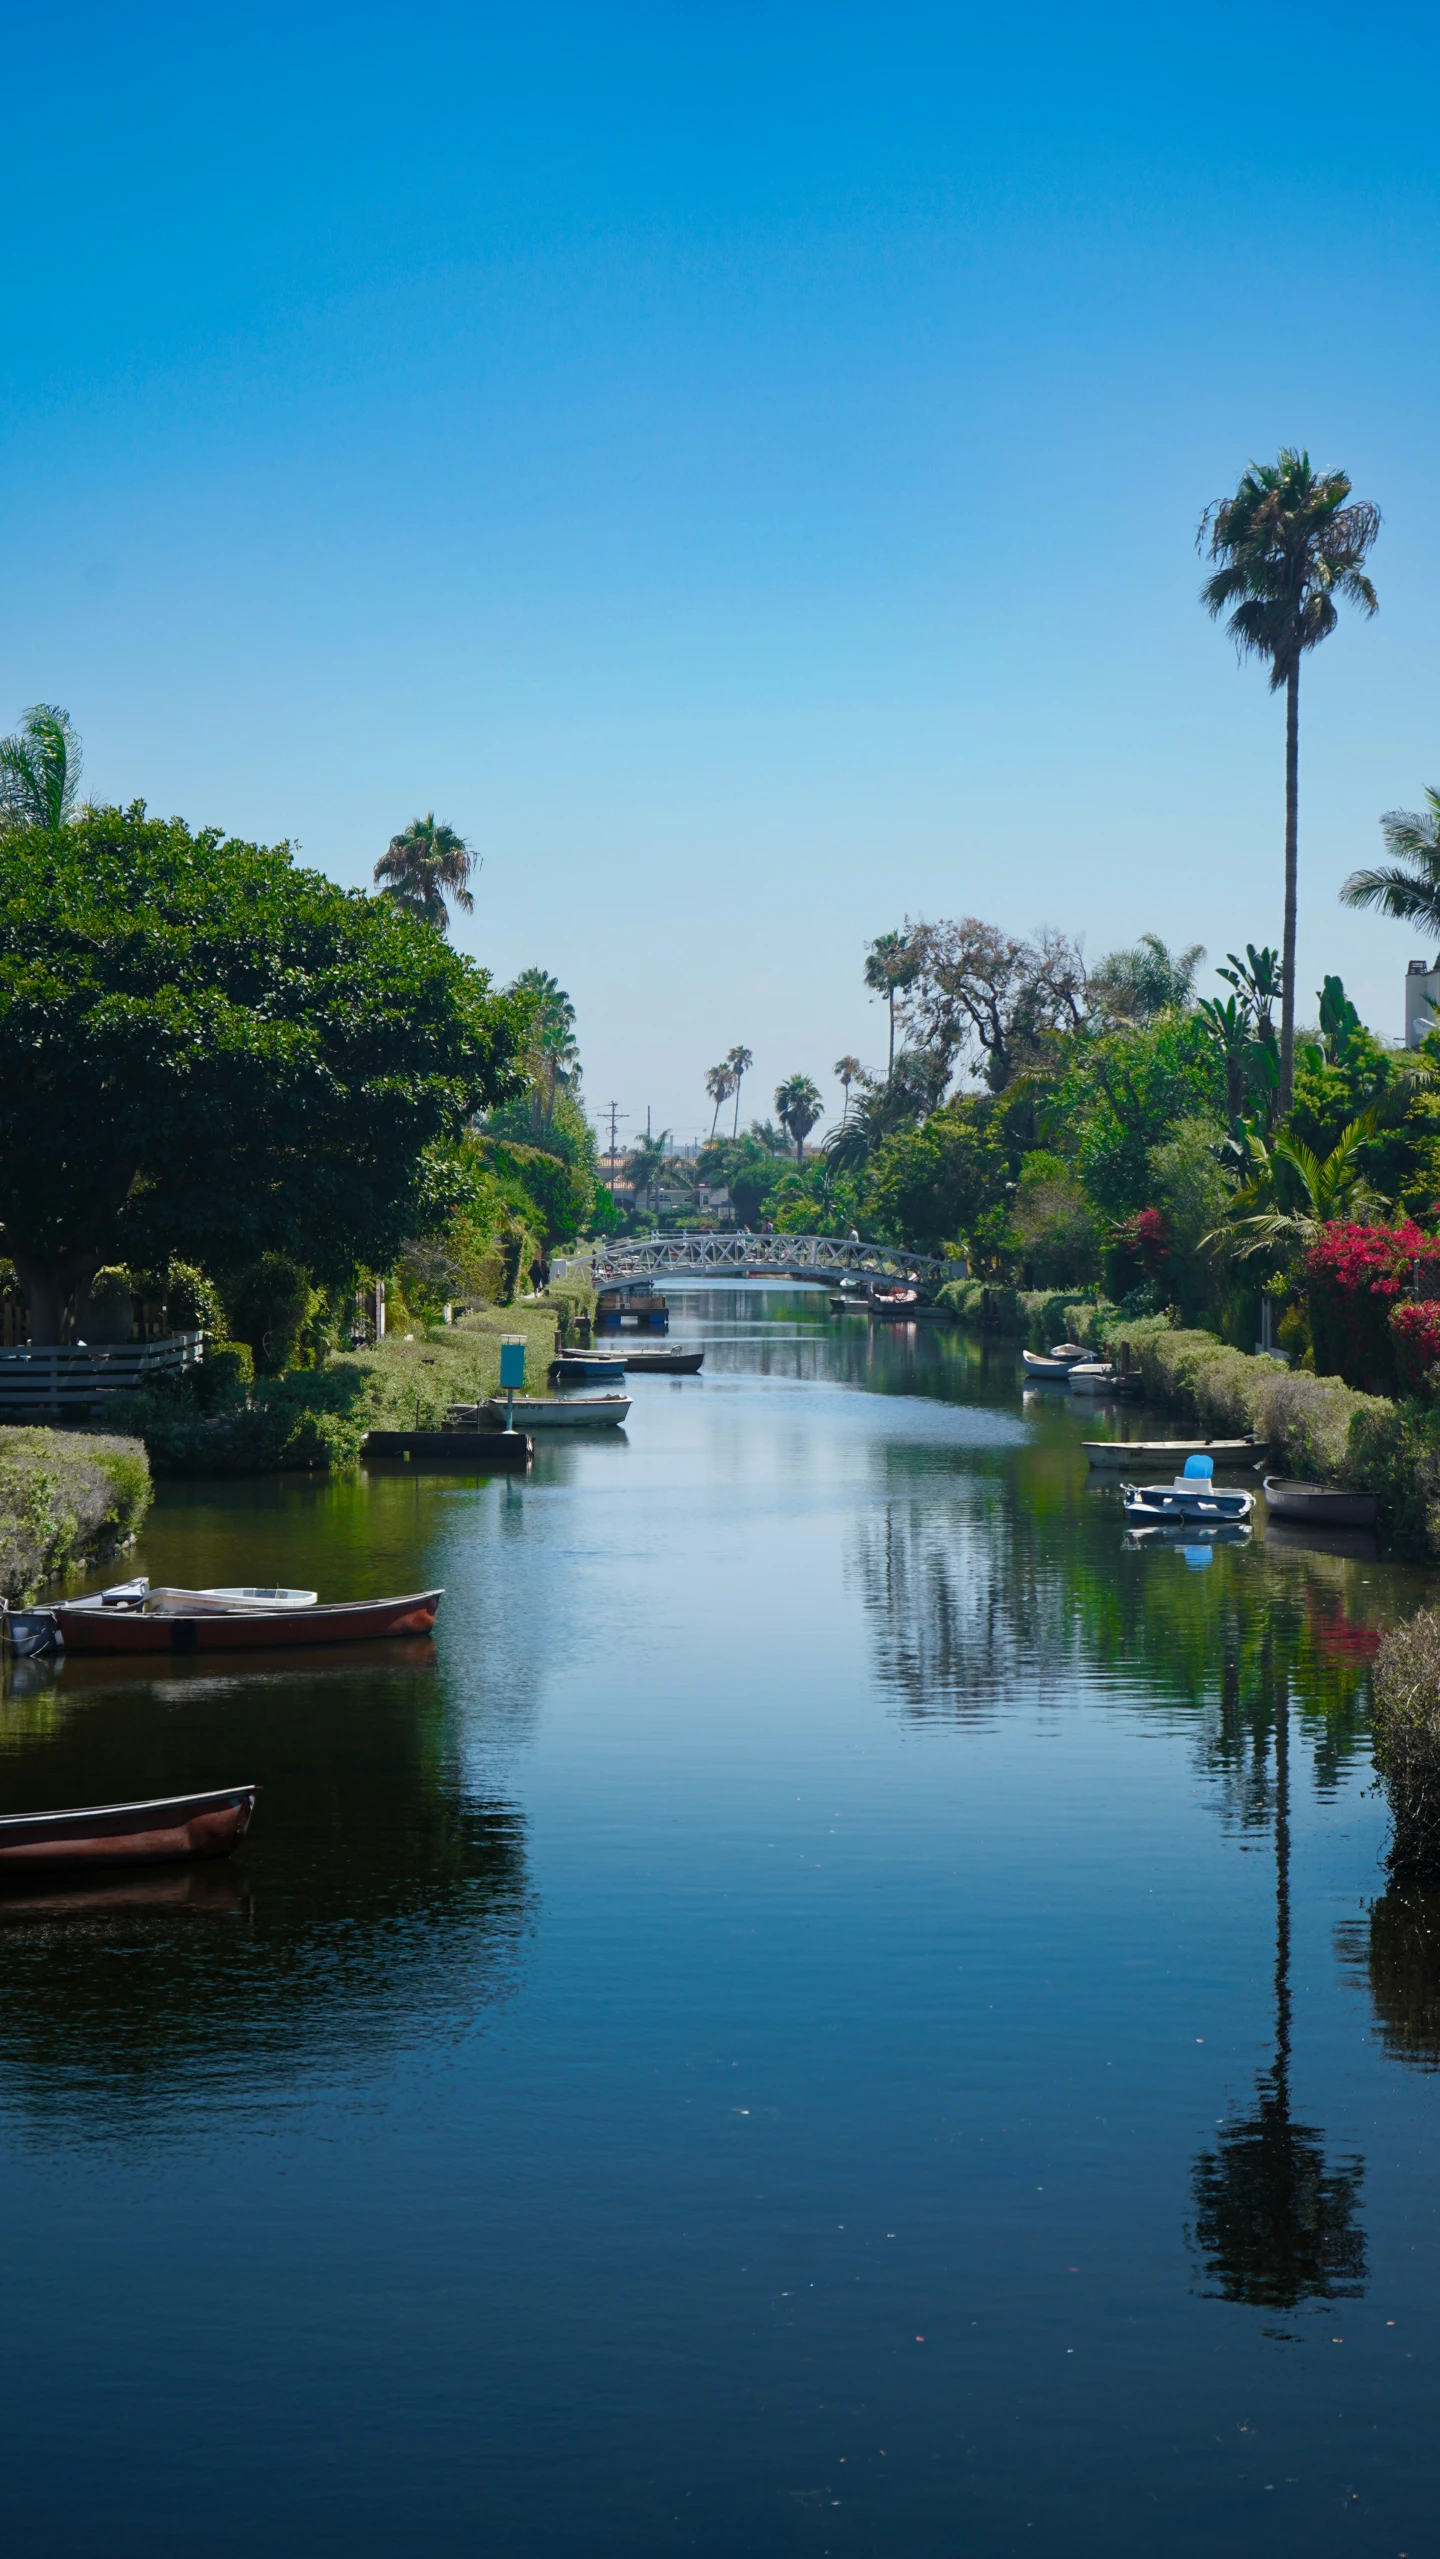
1047 1367
1320 1505
177 1621
1161 1452
664 1363
566 1412
579 1364
1093 1377
158 1832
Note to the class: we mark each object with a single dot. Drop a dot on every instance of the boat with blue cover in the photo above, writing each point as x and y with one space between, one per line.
1190 1498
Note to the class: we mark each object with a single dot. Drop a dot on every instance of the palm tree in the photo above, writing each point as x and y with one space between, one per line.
891 964
425 864
554 1050
1288 545
845 1071
40 770
797 1105
739 1062
719 1084
644 1162
1324 1187
1409 887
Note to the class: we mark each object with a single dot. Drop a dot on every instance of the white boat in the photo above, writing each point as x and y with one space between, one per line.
1057 1362
563 1412
1092 1377
1160 1452
261 1595
1191 1499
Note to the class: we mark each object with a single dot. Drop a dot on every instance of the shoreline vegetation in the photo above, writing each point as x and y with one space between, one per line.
67 1498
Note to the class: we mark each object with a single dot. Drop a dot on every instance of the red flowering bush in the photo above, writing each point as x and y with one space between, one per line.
1139 1250
1415 1342
1355 1276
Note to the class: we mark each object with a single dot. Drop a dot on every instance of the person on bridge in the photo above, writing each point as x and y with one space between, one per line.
854 1235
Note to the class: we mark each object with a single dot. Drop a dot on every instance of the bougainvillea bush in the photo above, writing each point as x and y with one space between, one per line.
1415 1343
1355 1276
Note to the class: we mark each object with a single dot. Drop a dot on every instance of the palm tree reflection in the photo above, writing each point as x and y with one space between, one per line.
1274 2224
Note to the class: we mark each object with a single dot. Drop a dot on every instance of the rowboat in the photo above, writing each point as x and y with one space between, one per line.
1056 1363
565 1412
1093 1377
1320 1505
1161 1452
192 1621
167 1828
664 1363
571 1366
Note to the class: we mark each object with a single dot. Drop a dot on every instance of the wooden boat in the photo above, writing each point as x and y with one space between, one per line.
664 1363
1162 1452
187 1621
165 1829
1320 1505
565 1412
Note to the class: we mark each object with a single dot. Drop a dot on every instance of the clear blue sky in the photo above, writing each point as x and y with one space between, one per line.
739 465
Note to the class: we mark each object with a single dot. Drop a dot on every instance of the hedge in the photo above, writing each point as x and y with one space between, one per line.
66 1498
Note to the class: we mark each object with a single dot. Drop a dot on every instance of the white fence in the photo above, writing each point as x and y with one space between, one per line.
70 1377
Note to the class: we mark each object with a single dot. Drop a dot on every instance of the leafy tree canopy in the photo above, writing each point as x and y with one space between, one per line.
929 1185
1125 1092
221 1054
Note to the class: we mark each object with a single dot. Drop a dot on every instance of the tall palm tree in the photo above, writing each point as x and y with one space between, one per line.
40 770
719 1084
554 1052
645 1162
891 964
845 1071
426 863
1288 546
1409 887
739 1062
797 1106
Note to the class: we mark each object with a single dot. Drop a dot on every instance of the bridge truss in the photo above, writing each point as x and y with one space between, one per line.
744 1256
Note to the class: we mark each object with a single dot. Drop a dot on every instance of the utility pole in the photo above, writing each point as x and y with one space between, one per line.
616 1115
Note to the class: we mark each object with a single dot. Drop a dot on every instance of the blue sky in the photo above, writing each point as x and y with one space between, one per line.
741 466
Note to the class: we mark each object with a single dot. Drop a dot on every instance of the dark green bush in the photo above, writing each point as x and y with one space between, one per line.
270 1306
1406 1731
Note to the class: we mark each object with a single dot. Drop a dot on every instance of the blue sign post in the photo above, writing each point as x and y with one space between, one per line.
512 1370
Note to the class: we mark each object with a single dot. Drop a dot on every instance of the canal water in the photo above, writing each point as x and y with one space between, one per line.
839 2008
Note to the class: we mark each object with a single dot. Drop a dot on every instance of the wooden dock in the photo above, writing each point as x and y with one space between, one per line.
485 1452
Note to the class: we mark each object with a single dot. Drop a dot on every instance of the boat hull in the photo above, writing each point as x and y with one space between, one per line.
250 1630
163 1832
577 1413
664 1363
1319 1505
1156 1506
1163 1452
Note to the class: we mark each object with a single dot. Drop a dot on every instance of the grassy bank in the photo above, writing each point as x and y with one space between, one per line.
66 1498
1034 1316
317 1418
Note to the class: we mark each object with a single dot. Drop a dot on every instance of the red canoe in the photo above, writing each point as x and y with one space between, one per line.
86 1626
167 1828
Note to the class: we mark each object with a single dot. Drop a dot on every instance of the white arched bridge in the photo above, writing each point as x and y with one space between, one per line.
740 1255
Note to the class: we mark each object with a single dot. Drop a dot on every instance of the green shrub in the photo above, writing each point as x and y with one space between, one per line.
1406 1730
193 1302
107 1309
270 1307
66 1497
226 1373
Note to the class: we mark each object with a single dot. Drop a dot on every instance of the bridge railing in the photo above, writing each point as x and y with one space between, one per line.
746 1255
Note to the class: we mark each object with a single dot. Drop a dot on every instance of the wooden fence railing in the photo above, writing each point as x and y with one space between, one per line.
72 1377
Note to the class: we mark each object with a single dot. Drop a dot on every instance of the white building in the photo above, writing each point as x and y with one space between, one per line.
1422 998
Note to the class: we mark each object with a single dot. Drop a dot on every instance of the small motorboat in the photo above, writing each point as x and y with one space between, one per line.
1192 1498
1320 1505
158 1832
893 1305
1056 1363
564 1412
1112 1453
664 1363
194 1621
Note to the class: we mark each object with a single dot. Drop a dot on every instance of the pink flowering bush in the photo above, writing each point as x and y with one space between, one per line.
1356 1276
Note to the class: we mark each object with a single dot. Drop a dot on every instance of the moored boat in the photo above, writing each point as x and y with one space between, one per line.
1191 1498
1093 1377
1320 1505
574 1365
1056 1362
1111 1453
664 1363
565 1412
192 1621
157 1832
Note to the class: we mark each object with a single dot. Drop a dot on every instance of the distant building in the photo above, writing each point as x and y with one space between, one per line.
1422 998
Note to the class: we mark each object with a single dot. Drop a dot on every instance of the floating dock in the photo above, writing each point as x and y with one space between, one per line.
489 1452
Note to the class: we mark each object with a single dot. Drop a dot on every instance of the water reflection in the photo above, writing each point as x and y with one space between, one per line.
377 1902
1274 2223
1399 1952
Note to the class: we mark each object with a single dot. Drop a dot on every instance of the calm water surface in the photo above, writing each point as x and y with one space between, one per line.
837 2009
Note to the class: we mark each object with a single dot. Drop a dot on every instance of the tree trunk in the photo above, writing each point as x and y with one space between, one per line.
892 1031
735 1132
1292 829
49 1284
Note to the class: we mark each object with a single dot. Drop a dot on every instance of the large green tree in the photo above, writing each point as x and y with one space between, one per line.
1288 546
927 1186
210 1052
